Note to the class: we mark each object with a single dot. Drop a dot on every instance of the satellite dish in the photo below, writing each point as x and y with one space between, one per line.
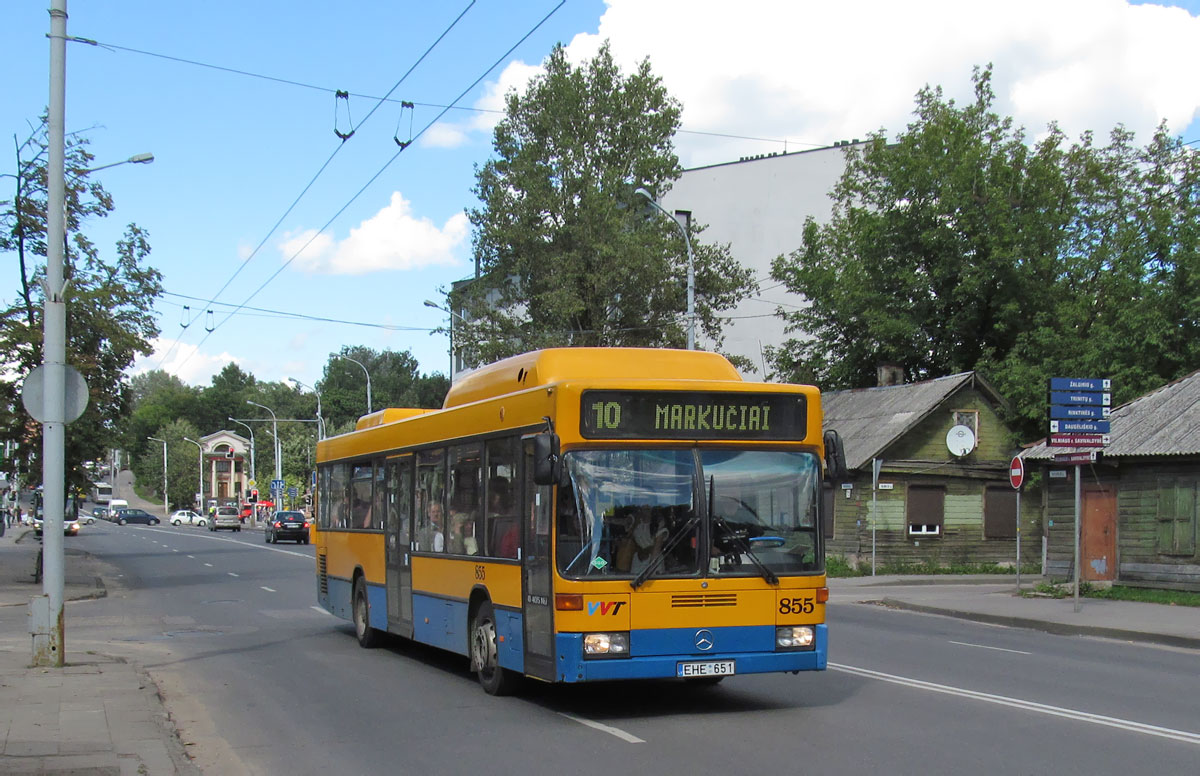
960 441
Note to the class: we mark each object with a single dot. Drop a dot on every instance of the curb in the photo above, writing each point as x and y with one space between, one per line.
1056 628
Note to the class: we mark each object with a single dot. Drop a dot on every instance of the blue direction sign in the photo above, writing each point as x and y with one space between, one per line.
1080 427
1089 399
1080 384
1059 412
277 486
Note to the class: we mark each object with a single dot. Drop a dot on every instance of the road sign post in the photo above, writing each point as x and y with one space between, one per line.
1079 409
1016 478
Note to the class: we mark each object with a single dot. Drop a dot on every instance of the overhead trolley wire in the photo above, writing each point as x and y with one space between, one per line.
318 174
403 103
376 176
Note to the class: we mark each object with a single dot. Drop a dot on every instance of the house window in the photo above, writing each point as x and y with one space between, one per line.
970 419
1176 516
926 510
1000 513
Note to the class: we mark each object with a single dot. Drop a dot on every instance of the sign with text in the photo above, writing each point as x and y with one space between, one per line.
1077 440
1089 457
692 415
1061 412
1079 384
1091 399
1080 426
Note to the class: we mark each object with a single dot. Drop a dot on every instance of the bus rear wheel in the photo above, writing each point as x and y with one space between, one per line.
485 660
368 637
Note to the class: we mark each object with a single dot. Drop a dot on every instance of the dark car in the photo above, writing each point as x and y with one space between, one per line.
123 516
286 525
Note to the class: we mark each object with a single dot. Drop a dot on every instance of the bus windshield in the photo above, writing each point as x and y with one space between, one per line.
682 513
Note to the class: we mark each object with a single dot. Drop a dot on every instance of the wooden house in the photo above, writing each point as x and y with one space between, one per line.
1138 503
942 495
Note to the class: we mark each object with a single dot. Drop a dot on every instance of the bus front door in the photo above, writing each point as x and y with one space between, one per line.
537 575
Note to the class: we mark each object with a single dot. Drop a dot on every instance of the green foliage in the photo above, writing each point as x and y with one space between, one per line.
1116 593
564 255
840 566
960 245
110 315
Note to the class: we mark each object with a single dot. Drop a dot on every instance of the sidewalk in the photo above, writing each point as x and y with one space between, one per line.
993 599
96 715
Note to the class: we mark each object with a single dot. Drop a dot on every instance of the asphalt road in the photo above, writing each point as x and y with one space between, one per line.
261 681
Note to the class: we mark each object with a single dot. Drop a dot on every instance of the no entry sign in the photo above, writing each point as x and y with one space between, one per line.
1016 472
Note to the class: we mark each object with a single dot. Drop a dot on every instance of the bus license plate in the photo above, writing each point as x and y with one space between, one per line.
709 668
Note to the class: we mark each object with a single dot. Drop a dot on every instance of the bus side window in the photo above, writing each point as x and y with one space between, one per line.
501 518
431 492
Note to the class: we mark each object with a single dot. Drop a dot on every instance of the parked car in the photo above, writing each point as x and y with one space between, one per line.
226 517
286 525
70 527
187 517
133 515
100 512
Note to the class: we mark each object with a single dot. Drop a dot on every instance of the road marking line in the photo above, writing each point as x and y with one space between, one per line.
209 565
985 646
612 731
230 573
174 550
241 544
269 590
1016 703
193 557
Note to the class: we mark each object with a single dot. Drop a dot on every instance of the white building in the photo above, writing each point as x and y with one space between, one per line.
758 206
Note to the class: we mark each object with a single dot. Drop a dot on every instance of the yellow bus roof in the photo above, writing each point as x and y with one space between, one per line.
553 365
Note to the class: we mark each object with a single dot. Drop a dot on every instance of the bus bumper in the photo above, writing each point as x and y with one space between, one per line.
572 667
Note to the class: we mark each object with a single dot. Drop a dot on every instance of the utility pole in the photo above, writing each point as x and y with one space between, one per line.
166 499
49 647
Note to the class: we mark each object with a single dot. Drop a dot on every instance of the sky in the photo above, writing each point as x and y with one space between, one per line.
301 243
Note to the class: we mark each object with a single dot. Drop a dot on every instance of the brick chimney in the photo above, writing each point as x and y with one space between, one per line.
889 374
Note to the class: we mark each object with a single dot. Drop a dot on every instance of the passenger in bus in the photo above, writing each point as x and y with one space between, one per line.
642 541
432 538
500 514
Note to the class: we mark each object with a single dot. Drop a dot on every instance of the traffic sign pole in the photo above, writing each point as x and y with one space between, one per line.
1016 477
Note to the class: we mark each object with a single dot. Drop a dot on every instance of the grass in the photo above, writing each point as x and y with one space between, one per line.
1118 593
839 566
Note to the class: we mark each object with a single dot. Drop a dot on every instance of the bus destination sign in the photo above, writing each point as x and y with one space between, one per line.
692 415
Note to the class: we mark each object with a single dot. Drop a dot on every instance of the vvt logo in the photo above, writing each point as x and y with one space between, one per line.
604 607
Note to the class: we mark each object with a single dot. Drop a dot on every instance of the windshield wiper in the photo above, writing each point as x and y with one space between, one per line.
668 545
744 544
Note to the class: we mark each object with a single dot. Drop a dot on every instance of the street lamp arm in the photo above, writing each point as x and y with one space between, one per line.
691 265
365 372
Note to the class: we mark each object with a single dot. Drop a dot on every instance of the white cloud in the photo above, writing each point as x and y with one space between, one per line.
392 239
186 362
816 72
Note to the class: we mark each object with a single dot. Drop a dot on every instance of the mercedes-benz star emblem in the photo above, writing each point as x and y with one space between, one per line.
704 639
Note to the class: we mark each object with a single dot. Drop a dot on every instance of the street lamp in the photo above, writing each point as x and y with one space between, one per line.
691 264
368 374
452 315
275 433
251 430
200 448
165 498
320 420
145 158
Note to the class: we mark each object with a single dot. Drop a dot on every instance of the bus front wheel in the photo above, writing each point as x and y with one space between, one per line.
368 637
485 659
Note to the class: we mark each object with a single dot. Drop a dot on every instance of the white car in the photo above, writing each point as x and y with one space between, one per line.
187 517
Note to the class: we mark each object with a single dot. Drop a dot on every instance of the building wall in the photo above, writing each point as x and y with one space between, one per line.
758 206
1140 556
921 457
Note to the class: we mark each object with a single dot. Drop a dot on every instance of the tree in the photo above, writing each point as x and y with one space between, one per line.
395 382
183 464
110 318
564 254
960 246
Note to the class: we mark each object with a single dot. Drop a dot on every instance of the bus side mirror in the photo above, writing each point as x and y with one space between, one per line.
547 463
835 458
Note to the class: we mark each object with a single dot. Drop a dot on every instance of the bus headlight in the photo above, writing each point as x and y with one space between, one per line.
605 645
794 637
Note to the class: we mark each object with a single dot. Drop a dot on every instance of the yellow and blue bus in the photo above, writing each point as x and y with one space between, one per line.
583 514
